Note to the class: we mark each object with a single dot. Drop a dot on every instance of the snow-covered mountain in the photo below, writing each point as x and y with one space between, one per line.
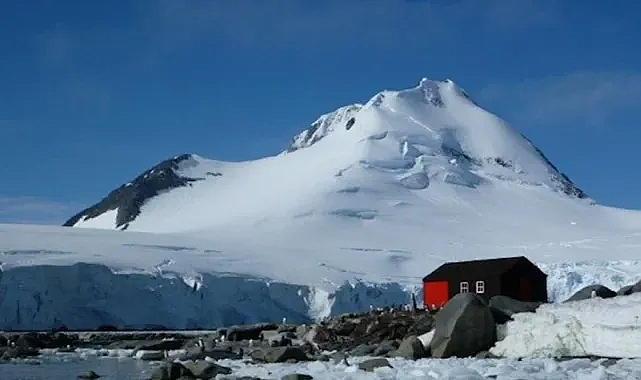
413 149
376 195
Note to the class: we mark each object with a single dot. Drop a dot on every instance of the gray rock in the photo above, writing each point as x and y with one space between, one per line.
29 340
206 370
463 328
609 362
278 339
509 306
297 376
586 293
423 325
308 348
286 328
249 332
88 376
625 291
18 352
159 345
486 355
385 348
279 355
630 289
217 354
362 350
339 357
500 317
371 364
171 371
411 348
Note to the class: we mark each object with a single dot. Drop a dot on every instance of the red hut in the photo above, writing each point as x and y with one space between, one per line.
515 277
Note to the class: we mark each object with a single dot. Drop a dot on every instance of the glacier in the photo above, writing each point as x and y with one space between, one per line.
83 279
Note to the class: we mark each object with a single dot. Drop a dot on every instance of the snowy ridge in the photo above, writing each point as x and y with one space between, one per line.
325 125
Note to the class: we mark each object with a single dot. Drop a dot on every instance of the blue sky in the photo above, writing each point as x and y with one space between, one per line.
91 95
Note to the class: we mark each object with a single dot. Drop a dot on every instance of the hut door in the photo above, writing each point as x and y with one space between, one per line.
436 294
525 290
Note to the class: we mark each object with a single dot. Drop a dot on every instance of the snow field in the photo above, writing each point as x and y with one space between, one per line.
450 369
595 327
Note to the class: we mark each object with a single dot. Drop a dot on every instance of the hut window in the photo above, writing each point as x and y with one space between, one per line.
465 287
480 286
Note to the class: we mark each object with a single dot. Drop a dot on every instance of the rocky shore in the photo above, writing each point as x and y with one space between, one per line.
465 327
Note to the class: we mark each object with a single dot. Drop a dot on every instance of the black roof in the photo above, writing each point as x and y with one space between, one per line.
496 266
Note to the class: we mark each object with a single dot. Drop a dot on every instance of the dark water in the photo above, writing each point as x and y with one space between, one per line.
107 368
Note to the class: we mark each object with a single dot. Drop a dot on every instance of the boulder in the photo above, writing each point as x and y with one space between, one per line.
18 352
30 340
486 355
249 332
630 289
588 292
197 353
371 364
339 357
510 306
500 317
278 339
287 328
362 350
60 339
625 291
422 325
279 355
297 376
171 371
385 348
411 348
463 328
88 376
206 370
159 345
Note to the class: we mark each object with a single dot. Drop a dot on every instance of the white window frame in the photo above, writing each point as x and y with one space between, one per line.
480 287
464 287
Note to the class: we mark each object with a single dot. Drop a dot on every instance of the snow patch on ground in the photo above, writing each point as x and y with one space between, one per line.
601 327
447 369
106 220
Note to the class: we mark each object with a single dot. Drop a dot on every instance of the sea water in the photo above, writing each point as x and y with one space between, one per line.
54 368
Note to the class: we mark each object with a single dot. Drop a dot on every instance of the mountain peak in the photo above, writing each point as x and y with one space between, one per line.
427 142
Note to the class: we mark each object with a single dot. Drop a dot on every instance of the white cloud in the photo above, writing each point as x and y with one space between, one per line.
30 209
584 98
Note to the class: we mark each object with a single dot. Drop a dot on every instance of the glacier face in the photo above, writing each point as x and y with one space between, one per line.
87 296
